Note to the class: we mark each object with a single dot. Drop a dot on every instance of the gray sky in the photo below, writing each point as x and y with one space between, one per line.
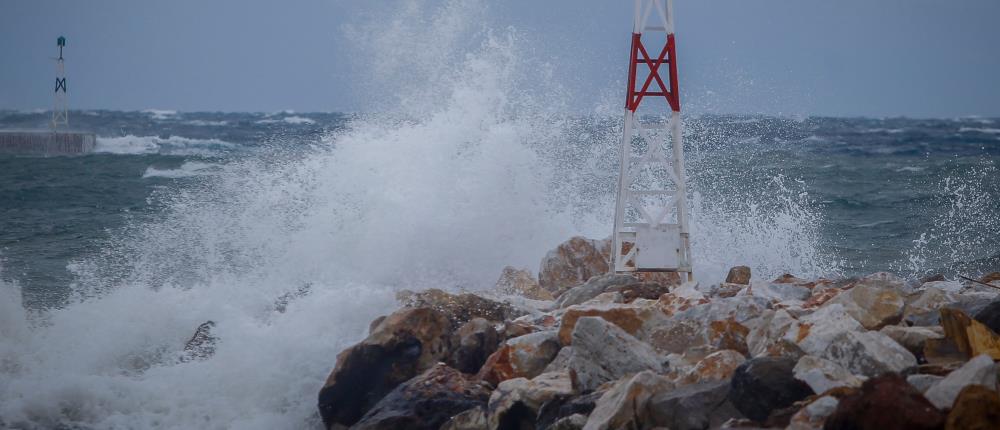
793 57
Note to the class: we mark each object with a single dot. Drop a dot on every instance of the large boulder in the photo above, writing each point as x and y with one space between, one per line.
976 408
822 375
763 385
632 318
868 353
472 344
970 336
813 415
572 263
717 366
516 402
915 338
624 405
402 346
815 332
873 304
592 288
693 407
426 402
520 282
603 352
738 275
990 315
459 308
521 357
979 371
885 402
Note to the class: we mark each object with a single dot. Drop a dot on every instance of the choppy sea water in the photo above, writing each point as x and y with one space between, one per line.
292 231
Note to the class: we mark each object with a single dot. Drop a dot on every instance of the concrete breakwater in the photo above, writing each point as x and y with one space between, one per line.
46 142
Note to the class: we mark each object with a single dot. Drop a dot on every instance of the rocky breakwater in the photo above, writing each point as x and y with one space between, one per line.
585 349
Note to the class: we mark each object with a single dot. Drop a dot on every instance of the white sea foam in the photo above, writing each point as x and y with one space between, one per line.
161 114
173 145
294 120
468 177
188 169
986 130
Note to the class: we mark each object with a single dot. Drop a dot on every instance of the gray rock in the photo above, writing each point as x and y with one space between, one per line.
913 338
979 371
779 292
572 422
603 352
693 407
923 382
868 353
472 419
624 405
821 374
766 384
515 402
592 288
425 402
472 344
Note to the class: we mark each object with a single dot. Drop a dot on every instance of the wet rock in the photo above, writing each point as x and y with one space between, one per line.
521 357
763 385
603 352
942 352
979 371
725 290
779 291
813 415
624 405
913 338
459 308
717 366
923 382
948 286
868 353
472 419
788 278
989 315
520 282
931 278
822 375
739 275
572 422
815 332
202 345
922 310
472 344
560 408
976 408
408 342
872 304
515 402
605 299
970 336
592 288
885 402
766 330
640 290
572 263
426 402
710 325
990 277
629 317
693 407
969 302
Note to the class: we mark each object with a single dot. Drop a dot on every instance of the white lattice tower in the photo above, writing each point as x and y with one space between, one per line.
651 223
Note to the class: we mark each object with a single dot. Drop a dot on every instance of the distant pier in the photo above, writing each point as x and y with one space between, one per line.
46 142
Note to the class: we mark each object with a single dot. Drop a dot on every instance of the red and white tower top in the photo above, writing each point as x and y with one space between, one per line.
651 223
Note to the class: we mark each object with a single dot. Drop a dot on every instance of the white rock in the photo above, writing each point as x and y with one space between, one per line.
822 374
868 353
949 286
923 382
764 330
814 414
619 406
778 292
815 332
688 290
603 352
979 371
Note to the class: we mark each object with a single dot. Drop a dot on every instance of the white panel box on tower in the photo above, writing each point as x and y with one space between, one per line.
651 222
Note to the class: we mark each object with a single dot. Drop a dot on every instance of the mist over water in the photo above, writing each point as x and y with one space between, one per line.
468 170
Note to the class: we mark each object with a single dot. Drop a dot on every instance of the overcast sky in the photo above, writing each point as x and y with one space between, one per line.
918 58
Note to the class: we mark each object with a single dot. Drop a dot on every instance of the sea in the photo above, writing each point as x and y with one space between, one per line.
291 231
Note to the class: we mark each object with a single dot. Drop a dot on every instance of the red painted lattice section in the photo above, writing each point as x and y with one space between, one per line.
668 55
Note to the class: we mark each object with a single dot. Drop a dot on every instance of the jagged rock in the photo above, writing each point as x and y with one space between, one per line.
923 382
739 275
788 278
560 408
971 303
913 338
813 415
822 375
717 366
605 299
472 344
815 332
710 326
572 422
868 353
640 290
572 263
405 344
922 309
472 419
515 402
521 357
874 305
603 352
976 408
885 402
425 402
979 371
990 277
948 286
375 323
990 315
202 345
459 308
779 291
592 288
693 407
726 290
942 352
762 385
624 405
520 282
970 336
767 330
629 317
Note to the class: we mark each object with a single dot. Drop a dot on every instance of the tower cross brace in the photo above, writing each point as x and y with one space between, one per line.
60 114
